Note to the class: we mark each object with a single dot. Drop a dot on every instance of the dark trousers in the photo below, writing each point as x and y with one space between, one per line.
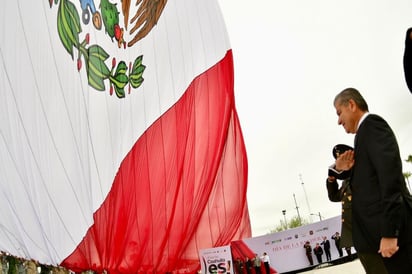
372 263
309 255
267 268
348 251
319 258
400 262
327 253
339 250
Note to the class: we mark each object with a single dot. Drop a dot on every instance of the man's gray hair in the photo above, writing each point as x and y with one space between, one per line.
351 93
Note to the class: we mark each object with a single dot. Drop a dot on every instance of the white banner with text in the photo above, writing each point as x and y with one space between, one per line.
216 260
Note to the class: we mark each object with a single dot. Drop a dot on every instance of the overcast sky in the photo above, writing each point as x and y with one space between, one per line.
291 59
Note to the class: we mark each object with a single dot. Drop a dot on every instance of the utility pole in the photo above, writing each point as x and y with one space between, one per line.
297 209
306 197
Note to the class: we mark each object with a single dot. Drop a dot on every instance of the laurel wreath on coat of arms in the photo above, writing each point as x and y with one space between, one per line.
120 75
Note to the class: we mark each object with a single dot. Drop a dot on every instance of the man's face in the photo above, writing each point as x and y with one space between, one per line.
346 116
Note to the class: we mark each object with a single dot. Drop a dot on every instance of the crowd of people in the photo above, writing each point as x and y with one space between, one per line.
15 265
323 248
255 265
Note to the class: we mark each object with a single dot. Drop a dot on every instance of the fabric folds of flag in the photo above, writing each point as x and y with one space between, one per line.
119 157
181 188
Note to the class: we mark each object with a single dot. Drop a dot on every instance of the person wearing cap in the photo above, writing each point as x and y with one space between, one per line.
381 224
308 251
341 194
337 238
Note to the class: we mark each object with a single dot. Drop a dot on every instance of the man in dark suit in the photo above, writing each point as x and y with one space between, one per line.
381 223
407 59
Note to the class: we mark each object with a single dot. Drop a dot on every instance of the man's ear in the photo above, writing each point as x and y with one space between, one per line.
352 105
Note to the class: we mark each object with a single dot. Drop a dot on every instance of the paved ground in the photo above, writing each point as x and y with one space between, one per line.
353 267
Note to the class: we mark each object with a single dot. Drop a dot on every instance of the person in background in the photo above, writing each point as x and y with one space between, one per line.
344 195
248 265
381 224
308 251
31 267
257 264
326 248
266 262
337 238
239 266
341 194
318 252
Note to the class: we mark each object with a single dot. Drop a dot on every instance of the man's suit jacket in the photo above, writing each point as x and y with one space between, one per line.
377 185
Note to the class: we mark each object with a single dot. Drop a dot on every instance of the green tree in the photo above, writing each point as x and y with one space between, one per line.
295 221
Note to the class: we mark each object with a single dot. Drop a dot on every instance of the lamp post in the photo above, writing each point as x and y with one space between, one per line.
284 217
320 216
